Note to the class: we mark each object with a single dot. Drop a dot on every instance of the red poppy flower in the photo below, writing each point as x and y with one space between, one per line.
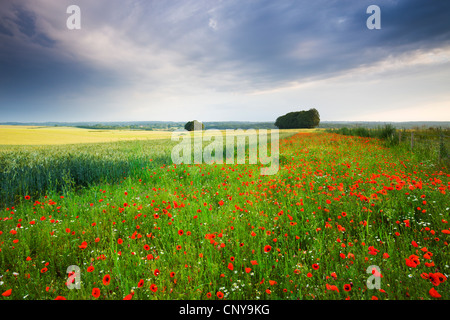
141 283
154 288
106 280
434 278
332 287
424 275
7 293
267 248
90 269
96 292
347 287
83 245
434 293
128 297
60 298
412 261
442 278
219 294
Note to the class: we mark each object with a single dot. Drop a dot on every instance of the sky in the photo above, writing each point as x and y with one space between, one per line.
230 60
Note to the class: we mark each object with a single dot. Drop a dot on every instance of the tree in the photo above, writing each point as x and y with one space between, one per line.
313 118
299 119
191 125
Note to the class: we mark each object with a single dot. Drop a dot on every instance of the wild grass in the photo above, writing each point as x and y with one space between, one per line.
428 145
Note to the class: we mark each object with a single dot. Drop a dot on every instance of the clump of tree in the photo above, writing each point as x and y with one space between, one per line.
192 125
299 119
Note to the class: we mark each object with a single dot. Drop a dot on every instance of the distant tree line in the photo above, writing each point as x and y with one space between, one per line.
416 125
148 127
168 125
239 125
299 119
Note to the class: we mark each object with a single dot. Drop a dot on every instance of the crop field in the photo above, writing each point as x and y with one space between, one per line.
344 217
34 135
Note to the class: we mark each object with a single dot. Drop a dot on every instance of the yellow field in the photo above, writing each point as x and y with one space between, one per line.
38 135
34 135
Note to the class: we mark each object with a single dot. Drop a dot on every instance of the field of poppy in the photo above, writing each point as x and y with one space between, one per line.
341 210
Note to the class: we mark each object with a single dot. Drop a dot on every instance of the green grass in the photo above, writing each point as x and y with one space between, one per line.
333 198
32 170
430 146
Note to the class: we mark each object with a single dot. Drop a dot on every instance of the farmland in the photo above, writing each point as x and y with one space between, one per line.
36 135
138 226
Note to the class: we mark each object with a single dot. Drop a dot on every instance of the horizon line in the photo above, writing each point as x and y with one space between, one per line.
212 121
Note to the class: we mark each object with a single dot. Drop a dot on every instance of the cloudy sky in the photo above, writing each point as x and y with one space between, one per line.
211 60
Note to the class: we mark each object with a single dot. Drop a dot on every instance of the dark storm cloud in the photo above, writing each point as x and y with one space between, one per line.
416 23
33 89
272 42
229 46
35 80
5 30
265 38
26 22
